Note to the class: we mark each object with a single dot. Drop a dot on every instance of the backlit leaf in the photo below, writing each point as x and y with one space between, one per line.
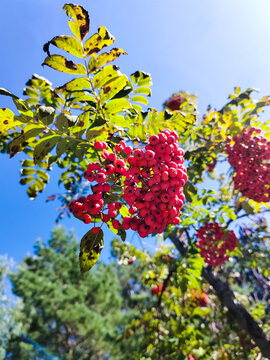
79 23
60 63
112 88
143 90
98 41
75 85
116 106
66 43
141 78
140 99
105 75
98 61
7 120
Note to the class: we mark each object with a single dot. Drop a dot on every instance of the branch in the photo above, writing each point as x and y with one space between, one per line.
227 298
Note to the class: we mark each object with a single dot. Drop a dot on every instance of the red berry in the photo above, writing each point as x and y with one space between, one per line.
95 230
98 145
116 224
86 218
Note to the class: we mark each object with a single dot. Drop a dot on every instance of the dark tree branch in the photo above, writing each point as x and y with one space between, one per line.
235 309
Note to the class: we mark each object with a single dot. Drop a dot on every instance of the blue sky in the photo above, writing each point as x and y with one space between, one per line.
205 47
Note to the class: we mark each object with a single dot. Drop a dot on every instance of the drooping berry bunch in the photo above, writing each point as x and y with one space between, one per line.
149 180
250 158
155 183
214 242
174 103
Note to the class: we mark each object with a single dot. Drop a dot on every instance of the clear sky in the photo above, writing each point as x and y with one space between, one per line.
205 47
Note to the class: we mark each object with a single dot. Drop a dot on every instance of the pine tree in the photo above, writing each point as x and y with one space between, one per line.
65 315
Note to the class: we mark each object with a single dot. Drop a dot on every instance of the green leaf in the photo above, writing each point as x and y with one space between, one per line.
107 74
133 132
7 120
140 99
64 121
116 106
248 209
98 41
66 43
94 133
32 191
97 62
112 88
75 85
90 249
81 125
43 175
28 133
24 109
7 93
60 63
27 162
143 90
122 233
27 171
124 211
27 180
46 114
141 132
119 121
44 146
79 23
141 78
65 145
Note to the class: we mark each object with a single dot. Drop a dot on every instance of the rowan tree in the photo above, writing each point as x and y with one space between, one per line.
129 167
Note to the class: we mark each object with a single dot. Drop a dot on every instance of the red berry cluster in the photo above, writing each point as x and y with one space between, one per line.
214 242
174 103
157 289
191 357
155 183
249 156
149 180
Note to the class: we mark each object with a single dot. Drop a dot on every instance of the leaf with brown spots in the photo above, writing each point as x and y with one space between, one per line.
66 43
77 84
7 120
44 146
60 63
98 41
110 90
28 134
106 75
90 249
80 22
98 61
